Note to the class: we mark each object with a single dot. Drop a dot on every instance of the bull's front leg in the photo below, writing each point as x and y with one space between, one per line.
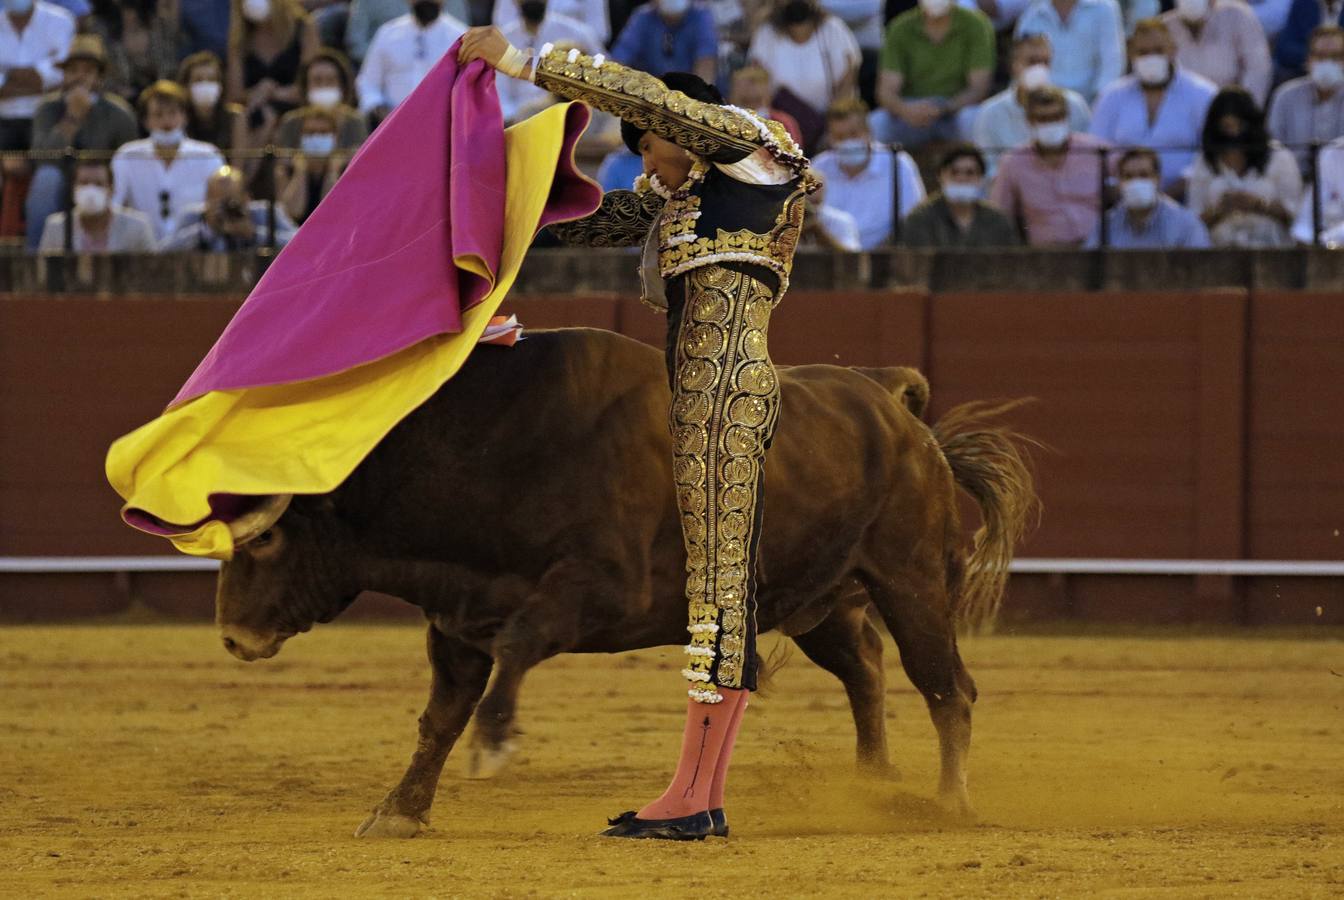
460 673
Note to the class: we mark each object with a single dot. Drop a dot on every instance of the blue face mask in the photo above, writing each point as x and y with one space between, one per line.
853 152
318 144
18 7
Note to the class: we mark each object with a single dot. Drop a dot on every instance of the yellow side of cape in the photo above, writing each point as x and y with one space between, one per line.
307 437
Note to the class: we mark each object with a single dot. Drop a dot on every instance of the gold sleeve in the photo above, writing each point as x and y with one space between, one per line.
623 220
720 134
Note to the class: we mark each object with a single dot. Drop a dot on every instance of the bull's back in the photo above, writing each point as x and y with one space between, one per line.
559 448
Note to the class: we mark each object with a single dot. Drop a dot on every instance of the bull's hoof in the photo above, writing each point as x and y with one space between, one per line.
487 762
383 824
957 805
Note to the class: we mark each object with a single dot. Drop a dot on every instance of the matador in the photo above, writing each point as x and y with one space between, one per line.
718 212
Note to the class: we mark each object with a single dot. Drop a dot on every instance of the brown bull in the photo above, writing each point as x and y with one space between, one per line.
527 508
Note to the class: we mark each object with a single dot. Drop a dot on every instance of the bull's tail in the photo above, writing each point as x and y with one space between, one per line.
989 462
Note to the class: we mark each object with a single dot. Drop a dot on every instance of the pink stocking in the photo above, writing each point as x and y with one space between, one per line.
708 729
725 756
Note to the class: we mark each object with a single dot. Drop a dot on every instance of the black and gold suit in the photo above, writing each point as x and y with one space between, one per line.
722 245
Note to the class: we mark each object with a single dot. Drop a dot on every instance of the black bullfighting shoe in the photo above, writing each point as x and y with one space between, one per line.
719 821
687 828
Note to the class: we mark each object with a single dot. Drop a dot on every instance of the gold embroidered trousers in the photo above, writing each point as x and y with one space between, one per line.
725 402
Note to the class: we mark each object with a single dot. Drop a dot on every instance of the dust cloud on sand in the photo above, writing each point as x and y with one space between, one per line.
143 761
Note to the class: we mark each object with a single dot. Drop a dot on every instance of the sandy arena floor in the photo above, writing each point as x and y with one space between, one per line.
143 761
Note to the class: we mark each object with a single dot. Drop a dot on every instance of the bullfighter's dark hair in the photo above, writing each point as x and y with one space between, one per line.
692 86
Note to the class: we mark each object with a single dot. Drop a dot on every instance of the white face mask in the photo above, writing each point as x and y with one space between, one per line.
1326 74
1192 10
853 152
166 138
674 8
91 199
1138 193
1152 68
325 97
935 8
318 144
960 192
1033 77
1050 135
205 93
256 11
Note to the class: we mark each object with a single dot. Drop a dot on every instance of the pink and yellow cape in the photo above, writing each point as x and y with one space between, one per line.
375 303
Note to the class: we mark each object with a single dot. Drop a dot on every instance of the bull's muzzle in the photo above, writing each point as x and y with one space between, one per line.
249 645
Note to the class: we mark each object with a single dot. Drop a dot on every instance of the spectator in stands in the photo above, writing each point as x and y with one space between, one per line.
1132 12
751 90
228 220
325 83
367 16
211 118
82 117
1051 186
268 41
1311 109
1330 186
958 216
862 176
1088 41
1223 41
99 226
619 169
1290 51
1159 106
1146 218
937 61
538 25
670 36
205 26
865 21
1245 187
313 170
593 13
1001 122
166 172
143 41
812 59
34 38
402 52
1272 15
829 227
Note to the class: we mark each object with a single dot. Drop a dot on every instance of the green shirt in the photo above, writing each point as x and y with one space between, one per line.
937 70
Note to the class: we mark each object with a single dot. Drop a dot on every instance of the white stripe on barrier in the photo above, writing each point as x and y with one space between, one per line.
45 565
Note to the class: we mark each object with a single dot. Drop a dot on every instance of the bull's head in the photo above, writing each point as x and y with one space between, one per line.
288 572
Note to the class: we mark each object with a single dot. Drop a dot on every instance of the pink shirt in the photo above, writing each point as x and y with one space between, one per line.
1231 48
1056 204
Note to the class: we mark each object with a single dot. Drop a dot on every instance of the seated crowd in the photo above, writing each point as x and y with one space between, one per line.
146 125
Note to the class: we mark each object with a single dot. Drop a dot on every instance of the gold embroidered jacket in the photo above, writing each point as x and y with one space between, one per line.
744 200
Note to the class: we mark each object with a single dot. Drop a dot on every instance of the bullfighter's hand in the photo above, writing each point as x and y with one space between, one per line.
486 42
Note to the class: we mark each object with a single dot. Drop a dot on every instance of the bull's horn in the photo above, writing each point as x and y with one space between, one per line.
255 521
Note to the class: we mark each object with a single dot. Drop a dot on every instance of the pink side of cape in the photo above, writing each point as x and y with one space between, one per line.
374 269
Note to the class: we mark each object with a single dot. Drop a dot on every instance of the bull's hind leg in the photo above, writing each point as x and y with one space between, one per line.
459 674
919 617
848 646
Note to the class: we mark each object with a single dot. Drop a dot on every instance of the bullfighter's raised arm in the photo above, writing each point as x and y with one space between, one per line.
720 134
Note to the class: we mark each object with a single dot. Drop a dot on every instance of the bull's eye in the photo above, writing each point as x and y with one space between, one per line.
263 539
